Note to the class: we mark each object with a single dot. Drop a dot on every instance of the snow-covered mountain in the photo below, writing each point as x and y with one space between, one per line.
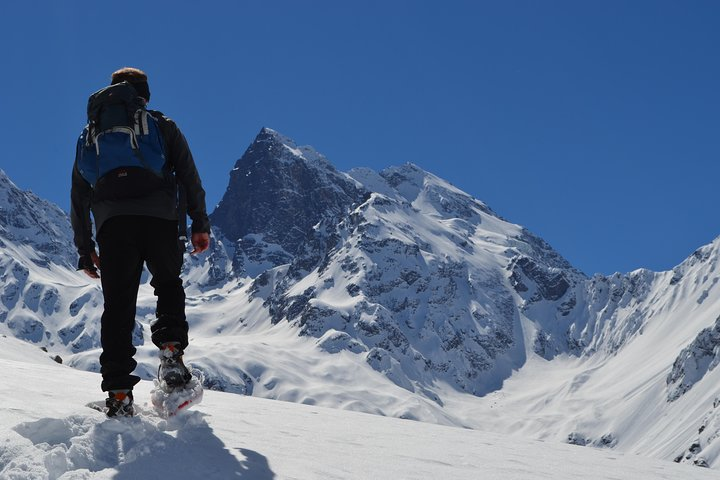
395 293
399 267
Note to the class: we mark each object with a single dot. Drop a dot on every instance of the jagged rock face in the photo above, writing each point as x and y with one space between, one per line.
601 313
277 193
551 285
694 362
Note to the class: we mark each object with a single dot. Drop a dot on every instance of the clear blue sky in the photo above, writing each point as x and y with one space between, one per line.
595 124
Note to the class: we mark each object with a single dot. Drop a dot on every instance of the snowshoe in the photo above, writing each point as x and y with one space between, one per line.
170 401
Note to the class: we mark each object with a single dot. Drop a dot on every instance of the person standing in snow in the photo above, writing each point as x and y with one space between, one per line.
136 228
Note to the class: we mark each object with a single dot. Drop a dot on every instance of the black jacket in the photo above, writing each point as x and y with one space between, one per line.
161 204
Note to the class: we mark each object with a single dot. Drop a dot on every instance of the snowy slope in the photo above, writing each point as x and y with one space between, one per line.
47 433
647 382
26 219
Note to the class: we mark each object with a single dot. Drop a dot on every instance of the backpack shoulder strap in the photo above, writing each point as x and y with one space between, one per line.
163 126
159 116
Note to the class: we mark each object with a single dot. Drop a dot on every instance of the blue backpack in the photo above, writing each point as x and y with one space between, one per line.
121 152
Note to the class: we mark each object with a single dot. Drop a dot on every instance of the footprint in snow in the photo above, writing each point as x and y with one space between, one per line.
80 446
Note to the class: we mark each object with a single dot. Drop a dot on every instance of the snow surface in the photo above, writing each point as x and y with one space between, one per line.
48 433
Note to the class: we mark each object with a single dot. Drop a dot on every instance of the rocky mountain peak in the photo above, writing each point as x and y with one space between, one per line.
282 148
408 179
278 192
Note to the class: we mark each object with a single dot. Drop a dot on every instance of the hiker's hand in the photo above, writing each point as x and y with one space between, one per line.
91 270
200 242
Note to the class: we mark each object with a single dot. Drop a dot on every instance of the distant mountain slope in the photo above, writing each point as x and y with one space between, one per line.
42 299
26 219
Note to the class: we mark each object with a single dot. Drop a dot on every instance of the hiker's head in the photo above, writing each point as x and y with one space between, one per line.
136 77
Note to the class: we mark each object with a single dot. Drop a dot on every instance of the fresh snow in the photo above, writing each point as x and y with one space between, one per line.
49 433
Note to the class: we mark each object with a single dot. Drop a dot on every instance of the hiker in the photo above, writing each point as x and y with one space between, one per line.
129 166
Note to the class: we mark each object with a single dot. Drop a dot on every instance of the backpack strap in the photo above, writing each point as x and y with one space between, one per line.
163 126
141 122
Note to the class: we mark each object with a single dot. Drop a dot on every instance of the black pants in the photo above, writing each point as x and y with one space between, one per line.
126 242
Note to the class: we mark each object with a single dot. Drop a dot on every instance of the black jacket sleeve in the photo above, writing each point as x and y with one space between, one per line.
80 197
179 156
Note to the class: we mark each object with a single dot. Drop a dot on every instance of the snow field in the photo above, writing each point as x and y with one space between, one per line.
48 433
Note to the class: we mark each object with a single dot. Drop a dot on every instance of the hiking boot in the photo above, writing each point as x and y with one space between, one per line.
172 370
119 403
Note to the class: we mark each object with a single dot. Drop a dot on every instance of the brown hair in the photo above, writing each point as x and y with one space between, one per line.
130 74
